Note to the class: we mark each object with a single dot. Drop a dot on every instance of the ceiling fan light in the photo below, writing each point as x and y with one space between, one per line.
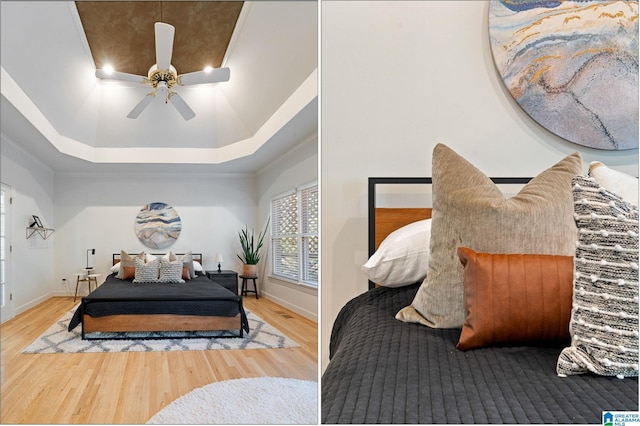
108 68
208 69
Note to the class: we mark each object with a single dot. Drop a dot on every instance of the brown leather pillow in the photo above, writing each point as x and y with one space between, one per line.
185 273
515 299
128 273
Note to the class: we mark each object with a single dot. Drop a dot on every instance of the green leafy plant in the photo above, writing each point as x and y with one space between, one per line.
250 247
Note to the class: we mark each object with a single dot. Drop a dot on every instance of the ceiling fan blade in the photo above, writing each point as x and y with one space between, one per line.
200 77
164 44
123 76
182 107
135 112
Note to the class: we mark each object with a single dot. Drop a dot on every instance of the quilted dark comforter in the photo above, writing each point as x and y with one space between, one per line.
386 371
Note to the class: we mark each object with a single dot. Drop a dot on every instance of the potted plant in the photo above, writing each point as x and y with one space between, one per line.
250 255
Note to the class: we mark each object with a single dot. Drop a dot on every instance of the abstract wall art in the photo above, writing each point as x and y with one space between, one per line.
572 66
158 225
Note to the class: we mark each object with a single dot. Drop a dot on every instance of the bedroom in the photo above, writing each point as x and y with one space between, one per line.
86 171
423 74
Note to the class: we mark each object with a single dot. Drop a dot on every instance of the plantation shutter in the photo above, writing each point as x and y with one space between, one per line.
284 238
294 235
309 234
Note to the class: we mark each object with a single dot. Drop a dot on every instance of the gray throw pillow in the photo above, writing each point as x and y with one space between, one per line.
170 272
147 272
604 316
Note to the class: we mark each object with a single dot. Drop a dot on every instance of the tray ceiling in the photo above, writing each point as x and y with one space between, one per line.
268 106
121 33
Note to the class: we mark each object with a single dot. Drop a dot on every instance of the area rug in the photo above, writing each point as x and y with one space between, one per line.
262 400
58 340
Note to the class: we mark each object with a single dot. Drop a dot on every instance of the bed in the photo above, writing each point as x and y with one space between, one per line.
383 370
196 307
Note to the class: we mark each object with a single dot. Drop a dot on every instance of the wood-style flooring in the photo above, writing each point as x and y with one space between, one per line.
130 387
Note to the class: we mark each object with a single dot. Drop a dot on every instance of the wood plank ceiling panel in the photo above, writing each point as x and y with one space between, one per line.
121 33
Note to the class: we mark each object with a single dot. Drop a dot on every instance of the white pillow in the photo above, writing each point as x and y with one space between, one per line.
197 266
150 257
402 257
115 268
623 185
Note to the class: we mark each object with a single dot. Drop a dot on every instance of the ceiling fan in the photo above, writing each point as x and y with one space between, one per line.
162 76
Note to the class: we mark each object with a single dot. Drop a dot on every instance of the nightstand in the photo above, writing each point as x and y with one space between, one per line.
85 277
227 279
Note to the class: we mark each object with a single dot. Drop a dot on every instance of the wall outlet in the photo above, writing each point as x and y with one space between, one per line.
64 281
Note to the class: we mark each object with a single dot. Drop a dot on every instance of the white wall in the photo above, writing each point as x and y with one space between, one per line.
98 211
95 211
296 168
32 189
398 77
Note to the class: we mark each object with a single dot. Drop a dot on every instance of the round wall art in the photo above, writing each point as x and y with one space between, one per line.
158 225
572 66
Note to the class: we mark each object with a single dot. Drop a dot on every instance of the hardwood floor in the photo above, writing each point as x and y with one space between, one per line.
130 387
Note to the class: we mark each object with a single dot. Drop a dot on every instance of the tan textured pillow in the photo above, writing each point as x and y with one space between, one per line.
469 210
127 261
515 299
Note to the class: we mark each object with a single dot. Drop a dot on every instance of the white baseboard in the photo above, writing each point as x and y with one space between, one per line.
61 293
24 308
305 313
65 294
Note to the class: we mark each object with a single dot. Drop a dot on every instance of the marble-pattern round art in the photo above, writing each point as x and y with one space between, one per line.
158 225
572 66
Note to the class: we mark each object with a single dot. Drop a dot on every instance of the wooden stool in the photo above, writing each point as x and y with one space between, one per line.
245 290
89 278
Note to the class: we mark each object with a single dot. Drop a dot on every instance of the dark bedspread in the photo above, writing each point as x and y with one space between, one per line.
198 296
386 371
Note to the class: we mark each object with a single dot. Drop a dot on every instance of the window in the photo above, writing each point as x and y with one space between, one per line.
294 235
